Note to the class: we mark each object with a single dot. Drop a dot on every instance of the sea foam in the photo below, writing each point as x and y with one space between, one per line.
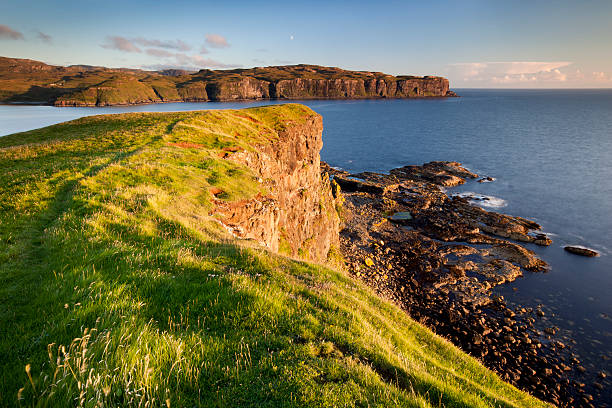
483 200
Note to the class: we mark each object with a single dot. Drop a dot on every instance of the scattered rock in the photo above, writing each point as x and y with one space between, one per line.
215 191
442 257
578 250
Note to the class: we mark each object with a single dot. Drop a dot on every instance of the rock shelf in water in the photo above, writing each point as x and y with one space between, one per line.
442 263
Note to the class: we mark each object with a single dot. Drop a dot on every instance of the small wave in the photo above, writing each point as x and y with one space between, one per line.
483 200
580 237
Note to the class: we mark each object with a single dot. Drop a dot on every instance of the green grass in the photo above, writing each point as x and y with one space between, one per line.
118 289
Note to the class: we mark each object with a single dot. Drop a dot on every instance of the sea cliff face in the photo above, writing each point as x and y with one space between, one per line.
360 88
249 88
298 215
241 89
35 82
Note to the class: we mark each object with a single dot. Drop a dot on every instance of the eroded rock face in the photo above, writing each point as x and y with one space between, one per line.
245 88
359 88
338 88
298 217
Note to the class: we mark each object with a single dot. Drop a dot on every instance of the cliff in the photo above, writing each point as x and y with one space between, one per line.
137 268
360 88
36 82
298 215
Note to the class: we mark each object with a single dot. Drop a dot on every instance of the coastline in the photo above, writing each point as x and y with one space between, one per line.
289 100
443 271
527 212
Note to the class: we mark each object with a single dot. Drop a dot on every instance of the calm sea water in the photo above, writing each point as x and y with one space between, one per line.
550 151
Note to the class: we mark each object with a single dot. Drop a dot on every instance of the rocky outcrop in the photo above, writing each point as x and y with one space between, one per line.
298 215
441 257
242 89
578 250
193 92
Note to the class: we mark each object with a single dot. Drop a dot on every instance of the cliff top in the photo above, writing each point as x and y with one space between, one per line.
305 71
271 73
107 248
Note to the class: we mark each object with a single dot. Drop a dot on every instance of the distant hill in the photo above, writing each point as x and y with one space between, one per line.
29 81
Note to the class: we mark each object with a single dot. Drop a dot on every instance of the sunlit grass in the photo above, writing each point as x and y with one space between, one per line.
118 288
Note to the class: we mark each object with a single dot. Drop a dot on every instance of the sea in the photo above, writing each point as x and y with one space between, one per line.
550 152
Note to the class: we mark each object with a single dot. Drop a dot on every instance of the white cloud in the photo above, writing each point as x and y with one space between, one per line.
510 72
526 74
197 61
602 77
172 45
114 42
216 41
159 53
8 32
542 76
184 61
44 37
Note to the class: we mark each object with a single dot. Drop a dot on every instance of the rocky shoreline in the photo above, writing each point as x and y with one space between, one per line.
440 257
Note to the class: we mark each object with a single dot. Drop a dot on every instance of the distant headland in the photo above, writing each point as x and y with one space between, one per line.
34 82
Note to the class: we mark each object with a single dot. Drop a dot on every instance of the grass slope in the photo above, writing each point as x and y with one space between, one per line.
117 288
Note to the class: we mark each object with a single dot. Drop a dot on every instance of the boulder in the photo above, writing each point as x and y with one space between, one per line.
578 250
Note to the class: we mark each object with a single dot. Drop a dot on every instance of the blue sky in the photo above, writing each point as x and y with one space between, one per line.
515 44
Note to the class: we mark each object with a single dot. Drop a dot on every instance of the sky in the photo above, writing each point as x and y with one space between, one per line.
474 43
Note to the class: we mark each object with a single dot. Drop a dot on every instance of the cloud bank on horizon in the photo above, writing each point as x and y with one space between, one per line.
523 73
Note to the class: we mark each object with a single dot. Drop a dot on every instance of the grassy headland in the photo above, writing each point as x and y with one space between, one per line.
117 288
28 81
